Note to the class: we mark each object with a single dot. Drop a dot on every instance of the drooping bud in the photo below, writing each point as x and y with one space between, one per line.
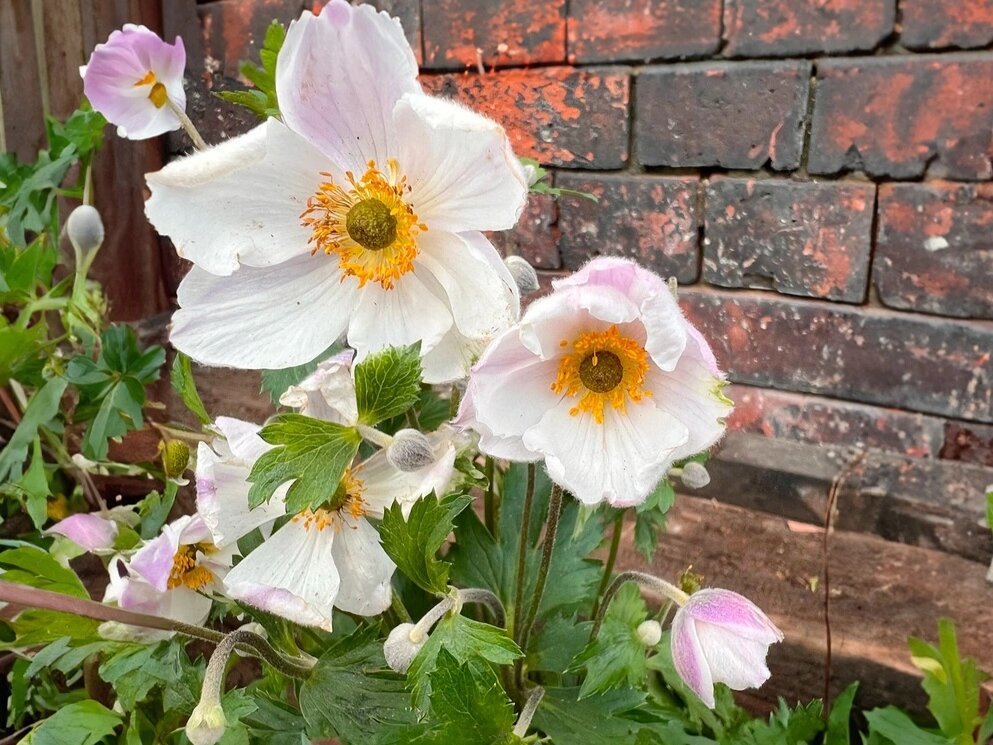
695 475
532 173
175 458
410 450
85 229
649 633
400 649
525 277
206 724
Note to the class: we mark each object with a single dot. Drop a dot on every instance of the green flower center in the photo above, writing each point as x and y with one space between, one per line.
371 224
601 371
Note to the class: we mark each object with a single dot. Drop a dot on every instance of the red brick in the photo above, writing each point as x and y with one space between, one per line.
653 219
557 115
734 115
782 28
536 235
825 421
934 251
613 30
881 357
932 24
507 32
969 443
904 117
812 239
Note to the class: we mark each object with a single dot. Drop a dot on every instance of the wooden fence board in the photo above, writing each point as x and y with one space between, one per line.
20 85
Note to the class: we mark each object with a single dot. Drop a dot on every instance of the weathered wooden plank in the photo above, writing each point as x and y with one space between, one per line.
20 83
62 24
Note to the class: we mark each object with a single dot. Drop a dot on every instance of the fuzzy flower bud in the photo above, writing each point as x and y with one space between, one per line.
532 174
410 450
85 229
649 633
523 273
400 649
175 458
695 475
206 724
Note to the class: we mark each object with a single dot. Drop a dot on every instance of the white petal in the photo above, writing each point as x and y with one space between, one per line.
239 202
383 483
364 568
328 393
292 575
619 461
242 438
459 165
688 658
258 319
452 357
407 313
737 662
338 79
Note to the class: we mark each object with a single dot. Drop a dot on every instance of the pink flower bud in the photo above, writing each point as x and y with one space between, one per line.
721 637
132 78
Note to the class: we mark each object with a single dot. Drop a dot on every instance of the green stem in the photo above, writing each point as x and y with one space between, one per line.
608 568
650 581
396 603
522 551
551 530
489 499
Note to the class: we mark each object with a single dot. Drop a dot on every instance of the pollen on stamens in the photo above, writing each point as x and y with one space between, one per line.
185 570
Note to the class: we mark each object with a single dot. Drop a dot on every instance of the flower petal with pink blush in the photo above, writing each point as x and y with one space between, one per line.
292 575
328 393
689 660
364 568
263 319
735 613
249 193
461 170
92 532
129 77
339 77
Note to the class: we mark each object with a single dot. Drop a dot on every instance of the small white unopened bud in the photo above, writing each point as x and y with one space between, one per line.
206 724
531 173
410 450
525 277
695 475
650 633
399 649
85 228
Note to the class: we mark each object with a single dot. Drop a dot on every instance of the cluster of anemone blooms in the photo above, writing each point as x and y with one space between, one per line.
356 216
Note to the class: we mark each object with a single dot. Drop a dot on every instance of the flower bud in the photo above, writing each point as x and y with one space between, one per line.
532 174
85 229
523 273
399 649
206 724
649 633
695 475
410 450
175 458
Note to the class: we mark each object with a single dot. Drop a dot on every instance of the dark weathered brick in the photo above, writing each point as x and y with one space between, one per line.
536 235
797 238
816 420
558 115
506 32
653 219
782 28
735 115
613 30
932 24
903 117
882 357
970 443
934 251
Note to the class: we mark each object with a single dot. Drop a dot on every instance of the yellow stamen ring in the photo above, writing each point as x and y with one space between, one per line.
185 570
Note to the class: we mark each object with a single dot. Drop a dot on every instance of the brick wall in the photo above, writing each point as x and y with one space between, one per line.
816 173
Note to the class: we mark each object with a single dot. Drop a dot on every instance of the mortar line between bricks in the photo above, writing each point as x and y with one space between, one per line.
869 296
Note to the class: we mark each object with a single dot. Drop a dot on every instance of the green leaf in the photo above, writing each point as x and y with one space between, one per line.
351 694
650 518
83 132
154 510
465 641
23 271
34 483
81 723
413 542
312 453
890 726
838 726
37 627
18 347
542 184
34 567
388 383
261 101
41 409
276 382
989 509
616 657
596 720
184 384
557 643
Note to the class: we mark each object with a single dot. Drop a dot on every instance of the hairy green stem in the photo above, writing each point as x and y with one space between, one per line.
522 551
489 498
608 568
527 713
396 603
649 581
487 598
187 124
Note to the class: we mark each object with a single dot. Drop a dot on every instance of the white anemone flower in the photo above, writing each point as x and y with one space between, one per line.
605 380
358 213
326 558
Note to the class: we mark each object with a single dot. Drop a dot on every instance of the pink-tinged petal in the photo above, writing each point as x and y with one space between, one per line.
364 568
242 438
292 575
452 357
688 658
92 532
407 313
461 170
733 612
117 83
263 319
192 529
328 393
736 662
619 461
338 78
239 203
154 561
